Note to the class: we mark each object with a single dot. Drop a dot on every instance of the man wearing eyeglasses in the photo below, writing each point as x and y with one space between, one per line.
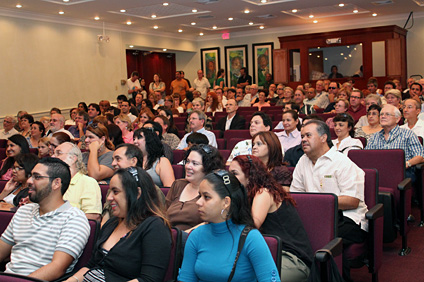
84 191
356 109
57 124
8 127
197 121
322 97
410 112
46 237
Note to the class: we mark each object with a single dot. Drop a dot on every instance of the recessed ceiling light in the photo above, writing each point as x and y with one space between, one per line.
350 55
311 16
194 10
246 11
318 56
341 54
165 4
355 11
214 27
96 18
310 54
261 27
318 47
374 15
193 23
263 1
341 5
250 23
19 6
326 59
180 30
131 46
345 58
153 16
315 21
61 12
129 22
230 19
294 11
122 11
65 0
155 27
201 34
164 49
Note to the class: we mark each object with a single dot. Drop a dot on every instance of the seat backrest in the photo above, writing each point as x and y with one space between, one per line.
165 190
318 212
217 133
2 184
5 218
222 143
2 153
3 143
178 156
237 133
274 245
88 250
233 142
104 188
175 256
225 154
371 187
178 171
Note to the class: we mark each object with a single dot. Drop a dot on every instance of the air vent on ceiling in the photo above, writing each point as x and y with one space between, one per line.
205 17
267 16
419 2
382 2
207 1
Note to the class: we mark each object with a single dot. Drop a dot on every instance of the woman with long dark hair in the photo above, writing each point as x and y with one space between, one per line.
16 144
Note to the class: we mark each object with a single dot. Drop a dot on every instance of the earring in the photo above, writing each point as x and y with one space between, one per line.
222 211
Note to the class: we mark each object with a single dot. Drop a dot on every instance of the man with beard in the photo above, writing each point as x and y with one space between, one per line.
46 237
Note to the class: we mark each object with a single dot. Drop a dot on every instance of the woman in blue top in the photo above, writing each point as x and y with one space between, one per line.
211 249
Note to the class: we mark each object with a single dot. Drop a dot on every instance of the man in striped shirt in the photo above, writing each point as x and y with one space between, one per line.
46 237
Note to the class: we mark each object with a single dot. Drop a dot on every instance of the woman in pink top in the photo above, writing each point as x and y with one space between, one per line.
124 123
262 102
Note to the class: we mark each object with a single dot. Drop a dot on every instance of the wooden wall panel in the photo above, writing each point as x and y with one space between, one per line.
281 65
393 57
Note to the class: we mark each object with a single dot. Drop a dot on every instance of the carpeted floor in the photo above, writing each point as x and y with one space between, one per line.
395 267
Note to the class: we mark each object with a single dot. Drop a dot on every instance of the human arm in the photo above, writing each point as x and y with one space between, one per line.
187 271
165 172
221 84
55 269
347 203
79 275
8 188
262 203
414 161
94 168
5 250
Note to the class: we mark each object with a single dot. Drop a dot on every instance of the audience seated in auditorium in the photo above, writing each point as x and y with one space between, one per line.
393 97
44 147
290 136
181 198
212 104
37 132
371 99
57 124
144 115
356 109
243 99
25 124
233 120
254 94
411 110
197 121
261 100
84 191
223 204
94 111
56 139
373 122
172 128
81 121
67 227
344 129
274 213
123 121
333 95
330 168
298 98
341 106
16 144
322 100
170 139
104 105
157 84
8 130
136 242
125 109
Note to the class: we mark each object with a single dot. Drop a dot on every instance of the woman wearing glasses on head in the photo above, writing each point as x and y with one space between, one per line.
344 128
274 212
134 245
211 251
181 198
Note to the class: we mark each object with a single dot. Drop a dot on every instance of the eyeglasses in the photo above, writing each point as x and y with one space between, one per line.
373 114
17 168
133 171
38 177
387 114
355 97
332 87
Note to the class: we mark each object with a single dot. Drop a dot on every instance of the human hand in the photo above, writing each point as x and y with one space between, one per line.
94 146
10 186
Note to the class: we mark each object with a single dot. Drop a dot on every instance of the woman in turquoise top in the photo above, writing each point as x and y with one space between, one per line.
211 249
220 78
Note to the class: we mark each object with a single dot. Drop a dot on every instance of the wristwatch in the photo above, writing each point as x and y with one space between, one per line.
408 164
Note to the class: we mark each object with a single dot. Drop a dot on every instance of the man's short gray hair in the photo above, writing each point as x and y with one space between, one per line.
77 152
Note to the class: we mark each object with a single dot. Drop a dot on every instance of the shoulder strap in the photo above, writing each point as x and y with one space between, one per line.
350 147
243 237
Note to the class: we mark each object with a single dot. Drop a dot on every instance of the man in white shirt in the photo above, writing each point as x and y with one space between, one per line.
322 96
197 124
324 170
243 100
8 127
133 84
410 113
125 109
201 84
57 124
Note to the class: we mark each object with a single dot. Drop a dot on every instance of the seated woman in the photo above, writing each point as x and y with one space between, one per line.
394 97
181 198
177 103
212 104
172 128
144 115
115 134
341 106
154 162
57 139
136 242
274 212
374 126
16 144
25 124
290 137
98 159
44 147
267 147
223 204
262 100
17 188
124 123
344 128
37 132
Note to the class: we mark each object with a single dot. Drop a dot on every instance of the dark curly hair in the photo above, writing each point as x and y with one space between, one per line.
211 157
259 177
154 146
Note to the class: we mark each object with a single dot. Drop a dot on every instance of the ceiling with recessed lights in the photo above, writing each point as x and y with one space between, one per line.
193 17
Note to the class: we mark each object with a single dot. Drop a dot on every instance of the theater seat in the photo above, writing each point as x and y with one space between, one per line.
175 256
104 188
274 245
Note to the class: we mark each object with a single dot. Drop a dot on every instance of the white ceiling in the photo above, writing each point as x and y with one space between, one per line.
178 14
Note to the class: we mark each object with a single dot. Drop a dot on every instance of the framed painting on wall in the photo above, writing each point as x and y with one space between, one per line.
262 63
210 63
235 59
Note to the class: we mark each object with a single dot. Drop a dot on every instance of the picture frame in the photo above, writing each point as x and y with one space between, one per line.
262 62
210 63
236 57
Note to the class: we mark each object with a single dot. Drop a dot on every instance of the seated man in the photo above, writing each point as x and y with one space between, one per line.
84 191
410 112
243 99
8 127
81 121
197 124
356 109
57 124
324 170
46 237
394 137
233 120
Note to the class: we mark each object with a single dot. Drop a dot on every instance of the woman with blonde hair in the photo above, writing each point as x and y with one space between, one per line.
124 123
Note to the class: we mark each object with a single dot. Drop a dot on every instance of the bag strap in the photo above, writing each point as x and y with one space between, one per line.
243 236
350 147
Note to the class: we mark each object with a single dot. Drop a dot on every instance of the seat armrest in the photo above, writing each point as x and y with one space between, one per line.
333 248
376 212
405 184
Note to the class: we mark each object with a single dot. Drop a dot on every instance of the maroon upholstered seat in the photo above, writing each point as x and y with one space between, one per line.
175 256
274 245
